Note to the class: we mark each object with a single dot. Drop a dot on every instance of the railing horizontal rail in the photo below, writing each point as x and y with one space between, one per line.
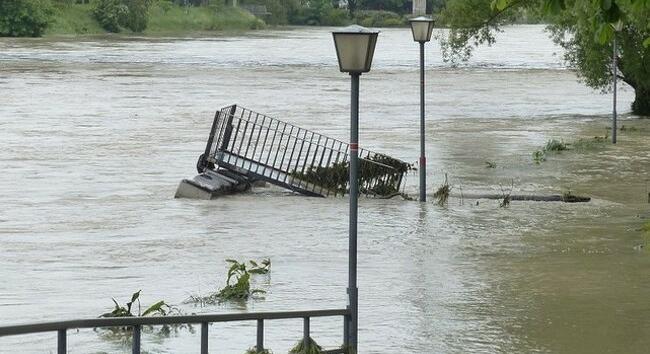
163 320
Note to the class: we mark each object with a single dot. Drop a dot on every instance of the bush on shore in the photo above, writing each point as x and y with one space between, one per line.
24 18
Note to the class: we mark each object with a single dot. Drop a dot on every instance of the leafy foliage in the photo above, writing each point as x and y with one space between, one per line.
115 14
490 164
585 28
555 145
111 14
254 350
311 347
238 286
378 175
159 308
539 156
24 18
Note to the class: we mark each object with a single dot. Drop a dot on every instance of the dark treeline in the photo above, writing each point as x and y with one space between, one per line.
20 18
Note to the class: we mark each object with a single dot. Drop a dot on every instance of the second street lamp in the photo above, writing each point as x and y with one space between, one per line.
355 47
422 28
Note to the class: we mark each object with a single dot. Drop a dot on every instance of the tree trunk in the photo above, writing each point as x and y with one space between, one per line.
641 104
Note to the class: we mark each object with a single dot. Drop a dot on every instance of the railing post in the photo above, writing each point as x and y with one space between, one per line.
346 330
305 333
204 338
62 342
260 335
136 340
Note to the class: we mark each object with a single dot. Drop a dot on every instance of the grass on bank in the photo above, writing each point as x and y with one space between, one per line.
78 19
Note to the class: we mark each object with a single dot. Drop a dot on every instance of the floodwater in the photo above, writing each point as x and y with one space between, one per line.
95 135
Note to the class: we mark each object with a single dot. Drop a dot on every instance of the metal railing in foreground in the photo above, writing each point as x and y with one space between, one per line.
136 323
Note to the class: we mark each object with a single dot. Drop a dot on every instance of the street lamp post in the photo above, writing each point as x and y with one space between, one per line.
617 28
355 47
422 28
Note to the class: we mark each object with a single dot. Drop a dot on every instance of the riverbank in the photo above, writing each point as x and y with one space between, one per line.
71 20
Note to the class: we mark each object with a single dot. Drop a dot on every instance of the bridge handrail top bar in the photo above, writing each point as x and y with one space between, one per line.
163 320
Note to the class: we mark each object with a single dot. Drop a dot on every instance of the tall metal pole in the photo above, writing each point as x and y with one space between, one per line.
353 296
423 159
614 59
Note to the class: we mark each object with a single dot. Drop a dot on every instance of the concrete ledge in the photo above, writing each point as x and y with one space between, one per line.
210 185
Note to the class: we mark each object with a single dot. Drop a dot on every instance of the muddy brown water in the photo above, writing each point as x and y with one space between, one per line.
96 133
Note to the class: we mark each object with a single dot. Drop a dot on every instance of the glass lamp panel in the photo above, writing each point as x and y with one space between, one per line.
352 51
422 27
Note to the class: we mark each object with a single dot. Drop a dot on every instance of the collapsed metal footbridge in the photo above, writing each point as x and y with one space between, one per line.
246 146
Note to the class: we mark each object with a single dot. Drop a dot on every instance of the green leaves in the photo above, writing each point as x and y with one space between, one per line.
646 43
499 5
552 7
125 311
604 34
158 307
605 4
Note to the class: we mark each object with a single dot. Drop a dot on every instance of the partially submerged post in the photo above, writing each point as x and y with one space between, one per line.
355 47
245 147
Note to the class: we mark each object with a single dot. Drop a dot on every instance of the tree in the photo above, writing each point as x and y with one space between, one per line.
585 28
114 14
24 18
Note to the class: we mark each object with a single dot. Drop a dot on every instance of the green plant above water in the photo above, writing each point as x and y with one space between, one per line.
159 308
442 194
254 350
238 283
311 347
378 175
555 145
539 156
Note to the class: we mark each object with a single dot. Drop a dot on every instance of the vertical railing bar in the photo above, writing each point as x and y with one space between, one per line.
234 141
208 146
257 142
293 149
204 338
243 134
275 132
284 153
260 335
136 339
302 145
275 159
264 149
304 165
313 159
346 331
329 159
305 333
62 341
250 139
220 134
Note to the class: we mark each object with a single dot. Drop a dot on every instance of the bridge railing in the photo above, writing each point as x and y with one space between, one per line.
294 157
135 325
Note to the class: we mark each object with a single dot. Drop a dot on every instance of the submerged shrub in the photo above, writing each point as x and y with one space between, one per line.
158 308
555 145
24 18
238 286
442 194
311 347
